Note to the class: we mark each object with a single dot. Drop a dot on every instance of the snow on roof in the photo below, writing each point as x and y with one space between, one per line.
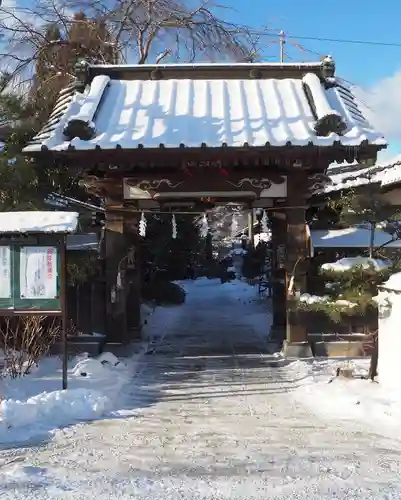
348 263
394 282
352 237
232 111
351 175
38 222
128 67
392 174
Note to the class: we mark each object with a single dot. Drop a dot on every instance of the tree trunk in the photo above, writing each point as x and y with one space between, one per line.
372 239
374 359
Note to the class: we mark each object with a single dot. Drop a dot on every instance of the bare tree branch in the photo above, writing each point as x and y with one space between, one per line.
43 43
137 29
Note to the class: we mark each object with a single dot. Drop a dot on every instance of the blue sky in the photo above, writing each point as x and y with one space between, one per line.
375 68
355 19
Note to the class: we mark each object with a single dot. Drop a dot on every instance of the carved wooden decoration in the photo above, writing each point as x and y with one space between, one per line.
251 183
198 182
317 182
154 184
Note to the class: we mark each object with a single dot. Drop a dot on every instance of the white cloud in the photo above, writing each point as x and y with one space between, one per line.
382 105
9 4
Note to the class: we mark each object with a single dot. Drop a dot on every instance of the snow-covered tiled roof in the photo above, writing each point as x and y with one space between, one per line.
352 175
351 237
38 222
246 107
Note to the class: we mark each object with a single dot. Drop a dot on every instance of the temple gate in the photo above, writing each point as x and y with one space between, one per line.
186 137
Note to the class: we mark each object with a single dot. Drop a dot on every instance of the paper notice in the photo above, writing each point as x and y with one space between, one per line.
38 273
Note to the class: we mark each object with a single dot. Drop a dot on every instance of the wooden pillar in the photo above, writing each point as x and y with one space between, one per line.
250 227
296 262
133 278
279 241
115 250
134 306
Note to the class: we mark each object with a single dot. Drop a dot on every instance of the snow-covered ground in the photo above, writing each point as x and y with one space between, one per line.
210 414
32 407
368 405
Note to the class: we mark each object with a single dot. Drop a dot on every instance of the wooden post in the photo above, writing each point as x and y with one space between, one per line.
279 248
296 343
133 281
115 250
64 315
250 227
134 306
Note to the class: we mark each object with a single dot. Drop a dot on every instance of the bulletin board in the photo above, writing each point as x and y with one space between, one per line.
30 277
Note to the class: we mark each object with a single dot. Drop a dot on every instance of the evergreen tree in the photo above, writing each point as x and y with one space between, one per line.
18 179
58 55
368 207
347 295
24 184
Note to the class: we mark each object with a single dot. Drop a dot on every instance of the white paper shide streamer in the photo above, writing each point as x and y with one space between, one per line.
204 226
234 226
265 222
142 226
173 227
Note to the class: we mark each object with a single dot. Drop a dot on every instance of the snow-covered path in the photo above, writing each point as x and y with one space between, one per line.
211 417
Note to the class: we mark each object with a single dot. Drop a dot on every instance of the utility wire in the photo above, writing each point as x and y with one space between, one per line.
337 40
290 40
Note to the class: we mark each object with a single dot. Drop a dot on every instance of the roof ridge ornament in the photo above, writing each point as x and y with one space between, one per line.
328 120
82 124
328 67
81 71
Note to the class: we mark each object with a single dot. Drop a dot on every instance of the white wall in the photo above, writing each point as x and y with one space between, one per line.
389 368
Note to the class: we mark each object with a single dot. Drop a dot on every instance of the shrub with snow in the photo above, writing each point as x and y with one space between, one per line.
25 340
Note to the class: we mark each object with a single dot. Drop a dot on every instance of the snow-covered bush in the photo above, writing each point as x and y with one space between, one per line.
350 287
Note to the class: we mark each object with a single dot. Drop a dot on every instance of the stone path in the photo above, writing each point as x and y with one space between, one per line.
211 417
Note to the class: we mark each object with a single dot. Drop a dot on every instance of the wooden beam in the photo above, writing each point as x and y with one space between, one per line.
310 156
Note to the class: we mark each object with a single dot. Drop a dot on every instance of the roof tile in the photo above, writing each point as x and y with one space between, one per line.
191 112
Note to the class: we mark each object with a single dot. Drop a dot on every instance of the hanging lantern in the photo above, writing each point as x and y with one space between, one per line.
265 222
142 226
234 226
173 227
204 226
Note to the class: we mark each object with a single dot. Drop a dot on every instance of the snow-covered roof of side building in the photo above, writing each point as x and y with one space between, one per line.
352 175
348 263
351 237
215 105
38 222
